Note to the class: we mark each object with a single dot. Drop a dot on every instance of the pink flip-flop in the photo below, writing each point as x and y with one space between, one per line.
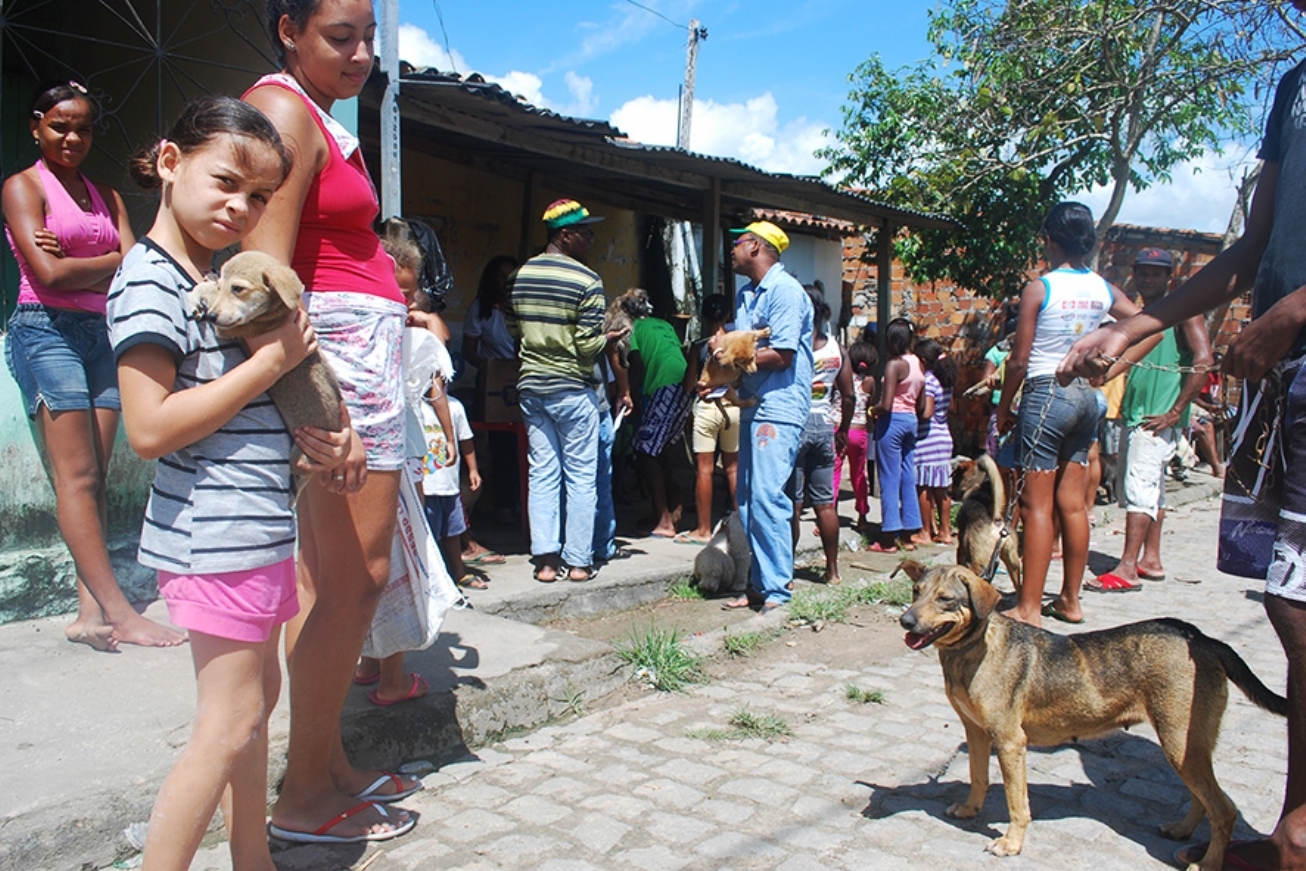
416 691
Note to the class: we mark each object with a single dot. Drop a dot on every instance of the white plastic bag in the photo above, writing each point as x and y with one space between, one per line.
420 592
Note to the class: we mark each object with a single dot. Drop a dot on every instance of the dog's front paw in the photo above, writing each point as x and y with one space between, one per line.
960 811
1004 846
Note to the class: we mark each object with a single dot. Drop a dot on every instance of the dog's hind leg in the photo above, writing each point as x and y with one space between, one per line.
978 748
1011 758
1188 741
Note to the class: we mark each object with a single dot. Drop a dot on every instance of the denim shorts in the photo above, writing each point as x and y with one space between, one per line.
1056 424
61 359
813 477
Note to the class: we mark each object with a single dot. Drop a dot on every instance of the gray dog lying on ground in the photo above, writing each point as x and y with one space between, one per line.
723 564
256 293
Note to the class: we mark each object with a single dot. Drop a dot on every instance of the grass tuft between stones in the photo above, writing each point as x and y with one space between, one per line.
745 724
660 659
854 693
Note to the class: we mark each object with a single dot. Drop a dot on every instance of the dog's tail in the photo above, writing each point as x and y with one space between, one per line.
995 485
1242 677
1235 668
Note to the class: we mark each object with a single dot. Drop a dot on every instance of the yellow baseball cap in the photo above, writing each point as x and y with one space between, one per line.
768 232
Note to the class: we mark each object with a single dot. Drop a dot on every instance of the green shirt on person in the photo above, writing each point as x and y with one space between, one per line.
1150 392
660 351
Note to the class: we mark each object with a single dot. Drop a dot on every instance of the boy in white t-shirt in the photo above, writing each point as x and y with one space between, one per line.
443 488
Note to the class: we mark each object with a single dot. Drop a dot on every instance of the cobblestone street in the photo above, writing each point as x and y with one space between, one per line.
856 785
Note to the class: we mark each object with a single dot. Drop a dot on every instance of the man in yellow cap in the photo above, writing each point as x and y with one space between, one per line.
771 429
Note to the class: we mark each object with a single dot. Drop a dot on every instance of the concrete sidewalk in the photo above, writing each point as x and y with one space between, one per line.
86 738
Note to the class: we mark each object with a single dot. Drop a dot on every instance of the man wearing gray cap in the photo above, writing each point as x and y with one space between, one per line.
1155 409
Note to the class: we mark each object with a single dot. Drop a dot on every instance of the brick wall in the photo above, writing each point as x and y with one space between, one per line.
967 324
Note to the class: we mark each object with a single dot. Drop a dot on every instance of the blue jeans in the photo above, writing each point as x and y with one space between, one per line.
767 453
895 452
605 518
562 431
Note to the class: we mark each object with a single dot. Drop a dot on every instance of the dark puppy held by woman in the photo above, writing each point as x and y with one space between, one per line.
69 235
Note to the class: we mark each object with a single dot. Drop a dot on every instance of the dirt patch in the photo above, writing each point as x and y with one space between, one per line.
868 630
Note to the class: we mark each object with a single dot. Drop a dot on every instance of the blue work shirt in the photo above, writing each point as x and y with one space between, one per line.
778 302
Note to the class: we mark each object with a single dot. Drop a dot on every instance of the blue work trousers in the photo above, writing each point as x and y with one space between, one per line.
767 453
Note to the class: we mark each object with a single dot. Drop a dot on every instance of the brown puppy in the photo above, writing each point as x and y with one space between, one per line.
735 354
621 314
254 294
977 484
1014 685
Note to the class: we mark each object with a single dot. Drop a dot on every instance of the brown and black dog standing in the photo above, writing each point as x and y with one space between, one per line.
977 484
1015 685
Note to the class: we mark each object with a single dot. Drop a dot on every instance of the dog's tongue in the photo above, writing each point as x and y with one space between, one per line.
916 640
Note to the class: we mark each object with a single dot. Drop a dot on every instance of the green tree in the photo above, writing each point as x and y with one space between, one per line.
1027 102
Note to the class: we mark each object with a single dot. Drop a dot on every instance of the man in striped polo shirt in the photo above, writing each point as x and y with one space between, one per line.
555 308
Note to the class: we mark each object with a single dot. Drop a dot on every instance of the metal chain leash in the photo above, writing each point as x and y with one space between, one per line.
1157 367
1013 500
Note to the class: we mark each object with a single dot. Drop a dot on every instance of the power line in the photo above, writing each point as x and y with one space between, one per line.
439 16
658 14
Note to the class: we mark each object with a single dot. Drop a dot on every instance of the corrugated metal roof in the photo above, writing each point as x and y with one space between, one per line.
486 120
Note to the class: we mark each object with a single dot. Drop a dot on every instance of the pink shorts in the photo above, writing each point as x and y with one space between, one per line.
240 606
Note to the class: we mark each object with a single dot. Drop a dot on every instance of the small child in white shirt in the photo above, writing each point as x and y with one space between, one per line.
443 488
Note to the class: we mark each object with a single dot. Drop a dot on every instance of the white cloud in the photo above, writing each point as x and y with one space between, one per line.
1200 195
418 48
528 86
582 92
749 131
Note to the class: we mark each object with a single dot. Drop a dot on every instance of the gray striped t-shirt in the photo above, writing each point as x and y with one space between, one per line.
221 504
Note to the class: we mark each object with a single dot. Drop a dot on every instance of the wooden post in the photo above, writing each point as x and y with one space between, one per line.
530 214
711 261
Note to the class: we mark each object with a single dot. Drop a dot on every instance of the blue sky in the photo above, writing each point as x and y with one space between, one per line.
772 76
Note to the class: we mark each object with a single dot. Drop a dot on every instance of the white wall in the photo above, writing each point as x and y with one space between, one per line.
810 257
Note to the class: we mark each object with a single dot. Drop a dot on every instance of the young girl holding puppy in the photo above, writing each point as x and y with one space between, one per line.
218 527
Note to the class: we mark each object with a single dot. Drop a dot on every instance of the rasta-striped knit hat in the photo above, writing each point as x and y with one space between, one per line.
567 213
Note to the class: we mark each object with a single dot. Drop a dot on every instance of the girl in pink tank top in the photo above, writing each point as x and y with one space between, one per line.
69 236
895 440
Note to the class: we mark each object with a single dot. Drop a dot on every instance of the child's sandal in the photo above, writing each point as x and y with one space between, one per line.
473 582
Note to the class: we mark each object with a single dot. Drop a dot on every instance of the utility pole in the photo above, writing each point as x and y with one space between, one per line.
392 202
696 34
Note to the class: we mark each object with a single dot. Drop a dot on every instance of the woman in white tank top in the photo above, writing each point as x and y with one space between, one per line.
1056 423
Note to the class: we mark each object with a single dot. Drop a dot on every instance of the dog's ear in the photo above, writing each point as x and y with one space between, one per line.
912 569
984 597
285 283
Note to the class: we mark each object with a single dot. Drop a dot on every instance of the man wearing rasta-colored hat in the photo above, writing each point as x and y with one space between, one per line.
555 309
773 427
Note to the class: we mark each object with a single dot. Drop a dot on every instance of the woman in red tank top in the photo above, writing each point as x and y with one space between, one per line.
320 222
